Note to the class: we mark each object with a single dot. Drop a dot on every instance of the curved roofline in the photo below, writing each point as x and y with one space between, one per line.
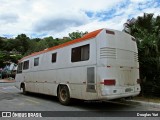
85 37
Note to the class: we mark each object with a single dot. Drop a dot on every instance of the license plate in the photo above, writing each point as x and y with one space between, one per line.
128 89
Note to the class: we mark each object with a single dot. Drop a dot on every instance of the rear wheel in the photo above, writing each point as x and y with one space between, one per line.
63 95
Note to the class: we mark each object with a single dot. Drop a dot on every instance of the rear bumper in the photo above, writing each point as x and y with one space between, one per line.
111 97
112 92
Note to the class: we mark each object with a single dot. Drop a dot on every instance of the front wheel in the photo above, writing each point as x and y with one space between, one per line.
24 90
63 95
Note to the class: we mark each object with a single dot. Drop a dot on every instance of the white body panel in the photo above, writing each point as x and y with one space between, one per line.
46 77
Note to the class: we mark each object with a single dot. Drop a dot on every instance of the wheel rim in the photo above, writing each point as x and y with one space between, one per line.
63 95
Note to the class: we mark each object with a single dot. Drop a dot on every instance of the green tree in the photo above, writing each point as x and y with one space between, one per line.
1 59
41 45
146 30
32 46
77 34
22 43
9 44
1 43
50 41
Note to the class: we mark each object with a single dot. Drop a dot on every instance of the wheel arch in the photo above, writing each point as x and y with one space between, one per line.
22 85
62 84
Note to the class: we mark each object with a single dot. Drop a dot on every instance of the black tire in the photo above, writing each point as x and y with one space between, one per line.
24 90
63 95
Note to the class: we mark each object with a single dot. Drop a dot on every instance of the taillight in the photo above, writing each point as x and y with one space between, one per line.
138 81
109 82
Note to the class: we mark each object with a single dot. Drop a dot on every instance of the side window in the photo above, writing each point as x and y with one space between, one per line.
36 61
80 53
19 69
26 65
54 57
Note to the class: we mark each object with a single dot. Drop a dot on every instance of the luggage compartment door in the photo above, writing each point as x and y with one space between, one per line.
91 83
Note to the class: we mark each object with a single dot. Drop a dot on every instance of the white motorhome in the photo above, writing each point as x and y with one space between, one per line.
102 65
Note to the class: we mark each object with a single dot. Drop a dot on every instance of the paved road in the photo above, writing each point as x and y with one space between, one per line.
11 99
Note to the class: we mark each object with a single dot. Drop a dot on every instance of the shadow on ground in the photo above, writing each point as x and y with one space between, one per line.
115 105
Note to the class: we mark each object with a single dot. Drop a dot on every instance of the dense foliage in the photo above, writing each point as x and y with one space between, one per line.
11 50
146 30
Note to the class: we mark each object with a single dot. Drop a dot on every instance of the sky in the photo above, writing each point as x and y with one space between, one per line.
58 18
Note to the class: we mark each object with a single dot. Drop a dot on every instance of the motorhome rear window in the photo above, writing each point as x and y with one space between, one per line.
110 32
